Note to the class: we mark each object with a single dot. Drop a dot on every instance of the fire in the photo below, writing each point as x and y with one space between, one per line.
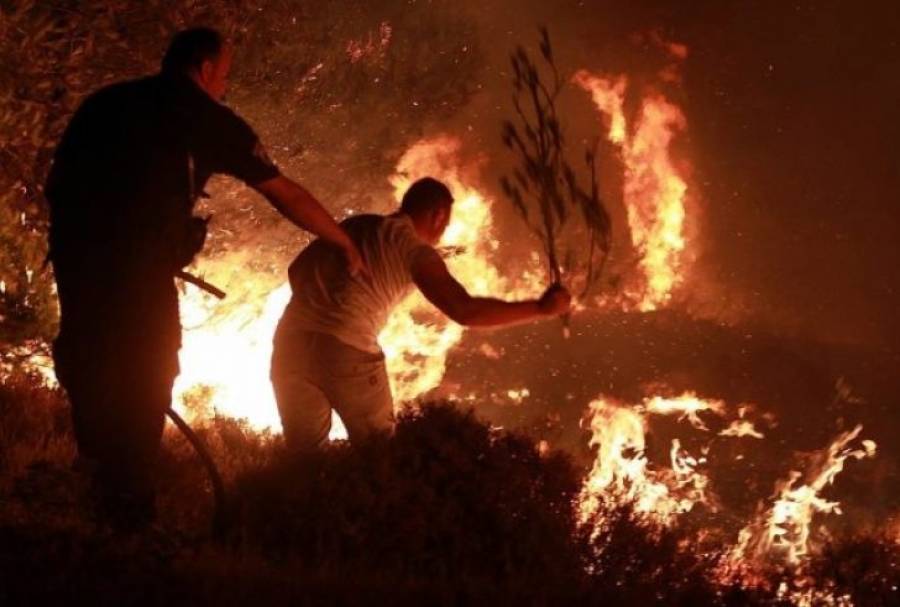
227 345
622 474
225 354
783 534
654 191
742 427
785 529
688 405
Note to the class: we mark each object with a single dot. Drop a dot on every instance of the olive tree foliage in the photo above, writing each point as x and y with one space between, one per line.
544 188
336 90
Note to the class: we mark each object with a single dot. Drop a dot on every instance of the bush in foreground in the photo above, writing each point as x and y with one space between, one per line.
446 502
447 511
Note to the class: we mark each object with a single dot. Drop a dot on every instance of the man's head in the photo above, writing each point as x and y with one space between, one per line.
204 56
428 202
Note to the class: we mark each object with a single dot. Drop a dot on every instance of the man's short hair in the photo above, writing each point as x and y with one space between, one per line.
190 48
425 195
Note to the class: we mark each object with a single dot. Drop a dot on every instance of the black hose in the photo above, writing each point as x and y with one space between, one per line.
220 517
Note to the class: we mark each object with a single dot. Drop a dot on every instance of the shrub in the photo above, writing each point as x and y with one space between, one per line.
445 500
34 425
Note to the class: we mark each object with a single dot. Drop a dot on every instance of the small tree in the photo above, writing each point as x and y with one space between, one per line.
543 187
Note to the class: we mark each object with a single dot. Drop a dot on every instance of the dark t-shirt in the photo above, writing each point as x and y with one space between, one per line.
131 158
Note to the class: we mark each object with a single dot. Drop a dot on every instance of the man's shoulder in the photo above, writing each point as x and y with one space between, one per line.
389 229
399 226
118 92
112 98
174 92
362 226
362 219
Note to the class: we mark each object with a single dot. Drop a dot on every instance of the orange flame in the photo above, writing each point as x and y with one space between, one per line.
688 405
741 428
225 354
622 474
654 190
785 529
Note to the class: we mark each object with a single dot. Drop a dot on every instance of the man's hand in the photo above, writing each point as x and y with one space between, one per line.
298 205
356 265
555 301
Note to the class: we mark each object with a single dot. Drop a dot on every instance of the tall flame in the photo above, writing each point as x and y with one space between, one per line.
226 350
654 191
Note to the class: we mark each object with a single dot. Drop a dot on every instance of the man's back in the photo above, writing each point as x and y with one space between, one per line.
133 157
354 310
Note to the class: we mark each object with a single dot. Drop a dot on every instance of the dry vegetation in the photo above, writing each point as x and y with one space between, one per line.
449 511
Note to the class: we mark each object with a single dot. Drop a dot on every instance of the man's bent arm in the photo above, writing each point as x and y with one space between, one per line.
294 202
440 288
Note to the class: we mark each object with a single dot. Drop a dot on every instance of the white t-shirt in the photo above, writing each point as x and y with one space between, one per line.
326 299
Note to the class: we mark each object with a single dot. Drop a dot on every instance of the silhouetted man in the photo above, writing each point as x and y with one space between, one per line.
325 351
123 184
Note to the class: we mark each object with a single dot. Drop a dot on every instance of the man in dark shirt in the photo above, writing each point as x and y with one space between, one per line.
121 190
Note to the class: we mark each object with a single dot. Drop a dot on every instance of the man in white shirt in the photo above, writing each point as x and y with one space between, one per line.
326 355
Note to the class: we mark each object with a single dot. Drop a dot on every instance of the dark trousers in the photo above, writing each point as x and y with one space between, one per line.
117 358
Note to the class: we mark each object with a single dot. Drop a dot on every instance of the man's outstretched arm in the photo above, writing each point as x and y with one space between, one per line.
440 288
294 202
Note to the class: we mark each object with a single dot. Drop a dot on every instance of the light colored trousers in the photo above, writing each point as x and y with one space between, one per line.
313 373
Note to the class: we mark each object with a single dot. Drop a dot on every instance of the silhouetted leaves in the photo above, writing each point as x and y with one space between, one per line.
544 188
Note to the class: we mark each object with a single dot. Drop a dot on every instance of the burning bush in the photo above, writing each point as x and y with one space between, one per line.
641 563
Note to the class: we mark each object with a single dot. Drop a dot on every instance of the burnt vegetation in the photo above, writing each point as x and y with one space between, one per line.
448 511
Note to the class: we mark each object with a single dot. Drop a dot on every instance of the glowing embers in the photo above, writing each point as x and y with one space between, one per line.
654 188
